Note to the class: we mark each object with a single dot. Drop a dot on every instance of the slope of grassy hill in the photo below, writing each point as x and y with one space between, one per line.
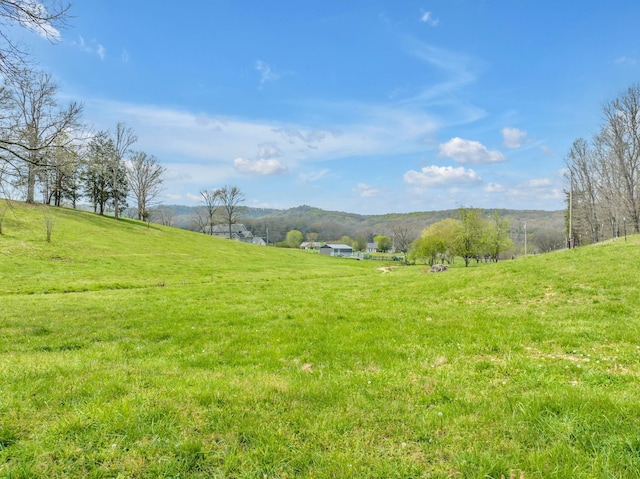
135 351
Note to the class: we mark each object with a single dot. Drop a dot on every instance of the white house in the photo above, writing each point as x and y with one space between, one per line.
238 233
332 249
308 245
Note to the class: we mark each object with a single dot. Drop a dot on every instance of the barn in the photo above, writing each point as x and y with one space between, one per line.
332 249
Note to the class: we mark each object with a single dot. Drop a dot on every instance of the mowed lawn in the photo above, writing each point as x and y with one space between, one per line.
129 350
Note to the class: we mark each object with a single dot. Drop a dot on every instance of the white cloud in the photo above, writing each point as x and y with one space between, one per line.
427 17
513 137
536 183
533 192
494 188
313 176
441 176
269 150
366 191
101 51
458 71
266 73
125 56
468 151
625 61
261 167
92 47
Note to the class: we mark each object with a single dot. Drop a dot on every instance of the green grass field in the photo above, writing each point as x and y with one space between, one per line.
145 352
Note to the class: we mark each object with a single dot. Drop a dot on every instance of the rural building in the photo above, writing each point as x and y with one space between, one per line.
331 249
238 233
372 247
259 240
309 245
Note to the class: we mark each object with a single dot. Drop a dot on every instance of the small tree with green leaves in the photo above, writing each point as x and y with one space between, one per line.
468 242
384 243
294 239
496 236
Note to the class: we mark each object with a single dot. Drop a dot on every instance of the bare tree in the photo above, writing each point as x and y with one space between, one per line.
206 215
621 134
145 176
163 215
37 127
44 17
123 139
585 188
59 180
200 220
604 174
403 237
548 240
231 199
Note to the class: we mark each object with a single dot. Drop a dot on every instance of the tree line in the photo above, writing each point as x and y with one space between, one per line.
46 153
603 194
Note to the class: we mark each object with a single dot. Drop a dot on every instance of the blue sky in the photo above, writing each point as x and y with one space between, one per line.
364 106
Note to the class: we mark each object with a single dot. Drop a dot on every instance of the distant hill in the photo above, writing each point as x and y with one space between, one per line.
332 225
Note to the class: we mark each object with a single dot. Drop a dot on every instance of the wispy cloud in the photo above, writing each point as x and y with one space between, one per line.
364 190
513 137
429 19
625 61
92 47
266 72
260 167
468 151
535 191
101 51
441 176
459 70
494 188
269 150
313 176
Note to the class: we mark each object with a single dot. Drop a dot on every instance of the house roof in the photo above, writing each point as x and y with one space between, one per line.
235 228
337 246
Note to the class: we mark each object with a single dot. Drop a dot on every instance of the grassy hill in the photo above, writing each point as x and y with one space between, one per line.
136 351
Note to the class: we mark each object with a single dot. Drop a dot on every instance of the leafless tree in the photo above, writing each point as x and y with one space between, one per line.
546 240
44 17
403 237
123 139
621 134
163 215
200 220
604 174
581 163
36 127
231 199
145 176
207 213
49 221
